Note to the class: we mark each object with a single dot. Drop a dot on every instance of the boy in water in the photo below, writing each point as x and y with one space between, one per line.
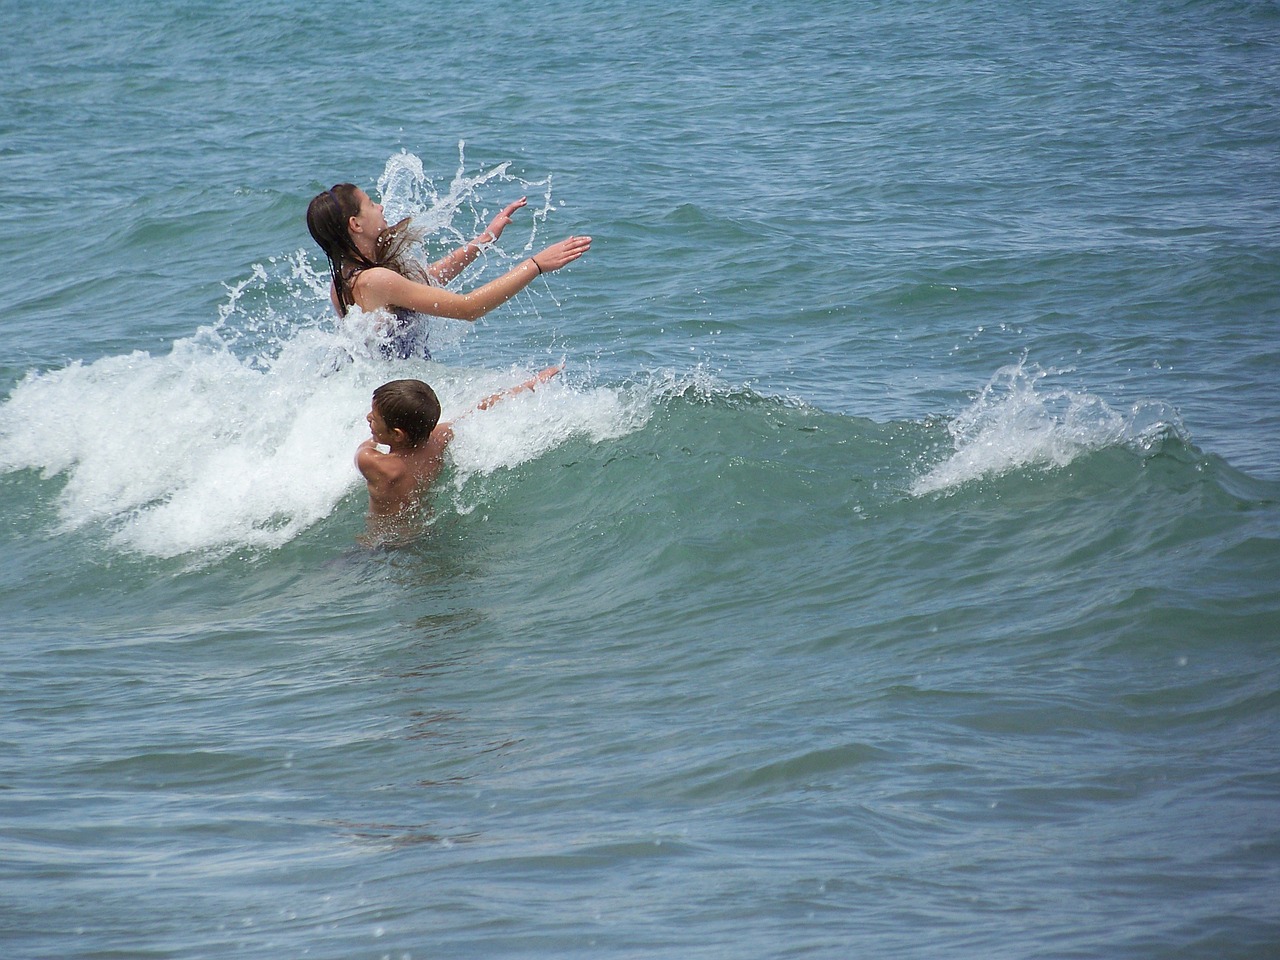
405 417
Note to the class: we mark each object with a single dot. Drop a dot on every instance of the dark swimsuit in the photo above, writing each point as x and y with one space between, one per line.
406 336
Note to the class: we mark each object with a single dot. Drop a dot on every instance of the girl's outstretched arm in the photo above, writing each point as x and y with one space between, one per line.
380 287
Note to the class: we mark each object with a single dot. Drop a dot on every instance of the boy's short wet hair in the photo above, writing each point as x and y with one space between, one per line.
408 405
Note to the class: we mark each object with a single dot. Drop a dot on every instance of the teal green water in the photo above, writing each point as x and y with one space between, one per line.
892 572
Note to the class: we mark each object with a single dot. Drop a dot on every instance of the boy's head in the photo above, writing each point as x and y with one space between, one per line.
408 405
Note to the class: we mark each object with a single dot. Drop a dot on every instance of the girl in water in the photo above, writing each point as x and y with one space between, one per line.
372 267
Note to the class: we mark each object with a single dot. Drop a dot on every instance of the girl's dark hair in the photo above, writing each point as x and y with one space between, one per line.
327 217
409 405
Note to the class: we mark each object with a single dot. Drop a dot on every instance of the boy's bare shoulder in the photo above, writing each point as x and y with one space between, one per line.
439 439
376 465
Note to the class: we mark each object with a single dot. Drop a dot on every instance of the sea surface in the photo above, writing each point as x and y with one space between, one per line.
893 571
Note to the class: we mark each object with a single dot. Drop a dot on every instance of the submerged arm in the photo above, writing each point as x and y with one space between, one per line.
542 376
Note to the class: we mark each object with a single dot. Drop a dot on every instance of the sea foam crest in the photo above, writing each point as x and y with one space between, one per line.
1021 419
190 451
200 451
566 407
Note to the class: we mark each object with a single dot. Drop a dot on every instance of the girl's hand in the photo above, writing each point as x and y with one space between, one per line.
560 254
500 222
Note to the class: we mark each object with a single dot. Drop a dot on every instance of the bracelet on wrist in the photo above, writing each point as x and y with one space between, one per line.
535 266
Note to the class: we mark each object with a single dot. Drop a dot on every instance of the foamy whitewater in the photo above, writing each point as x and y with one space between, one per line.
891 572
243 435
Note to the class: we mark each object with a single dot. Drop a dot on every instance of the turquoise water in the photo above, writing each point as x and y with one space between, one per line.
892 573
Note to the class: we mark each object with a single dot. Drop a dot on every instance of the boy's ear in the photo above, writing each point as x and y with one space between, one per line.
398 435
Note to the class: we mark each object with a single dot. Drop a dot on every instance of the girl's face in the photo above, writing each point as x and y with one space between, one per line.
369 220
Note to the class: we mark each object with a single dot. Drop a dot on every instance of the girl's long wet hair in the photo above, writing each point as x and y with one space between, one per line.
327 217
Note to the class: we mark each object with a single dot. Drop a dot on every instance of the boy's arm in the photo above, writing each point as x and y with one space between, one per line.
395 481
435 445
366 455
541 377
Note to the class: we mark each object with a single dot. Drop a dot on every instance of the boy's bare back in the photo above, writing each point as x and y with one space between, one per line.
398 478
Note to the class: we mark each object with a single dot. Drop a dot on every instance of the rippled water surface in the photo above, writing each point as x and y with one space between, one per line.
892 572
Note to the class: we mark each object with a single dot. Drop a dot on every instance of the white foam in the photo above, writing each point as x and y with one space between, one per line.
199 451
194 450
526 426
1021 419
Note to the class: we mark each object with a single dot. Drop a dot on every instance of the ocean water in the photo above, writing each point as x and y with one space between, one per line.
894 570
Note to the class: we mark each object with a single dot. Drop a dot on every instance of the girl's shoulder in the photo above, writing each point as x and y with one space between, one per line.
363 278
382 287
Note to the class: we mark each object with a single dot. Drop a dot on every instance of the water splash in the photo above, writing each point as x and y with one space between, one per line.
1022 419
242 435
264 312
459 212
202 452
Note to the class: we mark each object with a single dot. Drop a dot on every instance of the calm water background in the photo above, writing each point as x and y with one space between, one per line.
893 572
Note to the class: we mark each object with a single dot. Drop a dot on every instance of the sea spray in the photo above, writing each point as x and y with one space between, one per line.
193 450
1022 418
459 212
